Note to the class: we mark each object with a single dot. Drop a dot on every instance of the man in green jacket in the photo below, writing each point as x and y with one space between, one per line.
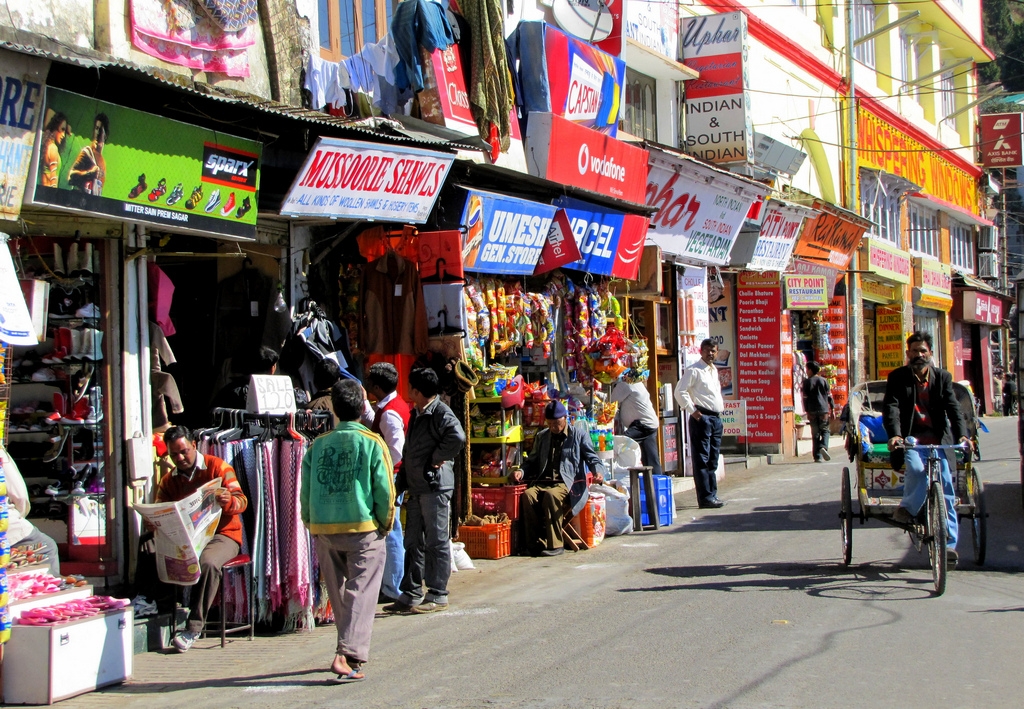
348 504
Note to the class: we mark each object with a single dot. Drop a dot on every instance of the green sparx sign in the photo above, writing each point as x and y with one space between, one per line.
94 156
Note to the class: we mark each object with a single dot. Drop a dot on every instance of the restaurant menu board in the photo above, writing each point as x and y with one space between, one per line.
759 354
888 339
835 316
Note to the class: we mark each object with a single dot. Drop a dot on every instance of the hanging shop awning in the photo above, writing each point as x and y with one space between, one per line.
833 236
504 235
982 308
701 209
150 169
348 179
933 284
611 242
955 211
771 247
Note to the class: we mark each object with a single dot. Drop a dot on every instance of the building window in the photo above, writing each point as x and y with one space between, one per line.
864 23
961 242
346 26
947 87
903 63
881 206
641 115
924 230
809 7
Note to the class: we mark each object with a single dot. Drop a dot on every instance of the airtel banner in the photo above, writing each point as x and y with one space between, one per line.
700 209
355 180
561 151
611 242
1001 139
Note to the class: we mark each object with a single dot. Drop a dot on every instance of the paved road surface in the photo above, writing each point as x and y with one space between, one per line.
746 606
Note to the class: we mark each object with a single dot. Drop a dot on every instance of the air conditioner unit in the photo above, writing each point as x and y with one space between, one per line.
988 266
775 156
988 239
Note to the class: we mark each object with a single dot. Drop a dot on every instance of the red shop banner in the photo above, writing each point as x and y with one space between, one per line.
982 308
835 316
759 354
562 151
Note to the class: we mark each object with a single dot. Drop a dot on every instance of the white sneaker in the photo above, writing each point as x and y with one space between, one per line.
825 455
184 640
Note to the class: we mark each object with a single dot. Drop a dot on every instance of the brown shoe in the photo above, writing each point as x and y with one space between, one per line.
397 608
429 607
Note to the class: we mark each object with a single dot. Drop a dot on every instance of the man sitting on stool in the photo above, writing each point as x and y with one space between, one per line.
556 473
192 471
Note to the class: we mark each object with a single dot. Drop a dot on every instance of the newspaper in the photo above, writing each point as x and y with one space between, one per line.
183 529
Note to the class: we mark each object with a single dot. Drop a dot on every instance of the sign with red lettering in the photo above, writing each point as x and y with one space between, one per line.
759 354
982 308
348 179
779 230
560 248
565 152
832 237
700 209
1001 139
451 88
835 355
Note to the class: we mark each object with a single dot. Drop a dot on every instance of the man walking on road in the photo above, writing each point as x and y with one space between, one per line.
347 501
435 437
699 393
919 398
820 410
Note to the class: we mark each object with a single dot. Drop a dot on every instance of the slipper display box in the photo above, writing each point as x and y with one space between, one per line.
47 663
488 541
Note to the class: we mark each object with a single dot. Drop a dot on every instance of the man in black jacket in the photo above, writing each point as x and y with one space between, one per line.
920 402
434 438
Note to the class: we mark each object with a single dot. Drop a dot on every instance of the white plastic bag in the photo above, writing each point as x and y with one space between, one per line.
617 519
460 559
627 455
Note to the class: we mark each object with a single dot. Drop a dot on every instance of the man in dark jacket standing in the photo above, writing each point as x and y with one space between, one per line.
820 409
435 437
556 473
919 399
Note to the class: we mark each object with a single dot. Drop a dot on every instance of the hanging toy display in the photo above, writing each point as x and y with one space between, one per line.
608 356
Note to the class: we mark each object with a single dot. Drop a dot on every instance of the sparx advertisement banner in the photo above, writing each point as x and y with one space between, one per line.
504 234
351 179
122 163
21 111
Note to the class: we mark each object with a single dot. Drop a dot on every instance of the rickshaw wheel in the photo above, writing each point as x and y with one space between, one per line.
846 518
937 529
979 520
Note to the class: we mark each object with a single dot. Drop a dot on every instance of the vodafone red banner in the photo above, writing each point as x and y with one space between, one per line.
348 179
562 151
1001 139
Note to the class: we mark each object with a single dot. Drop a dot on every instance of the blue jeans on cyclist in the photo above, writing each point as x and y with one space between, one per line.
915 490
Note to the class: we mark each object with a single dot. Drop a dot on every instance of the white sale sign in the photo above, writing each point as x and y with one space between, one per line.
15 322
348 179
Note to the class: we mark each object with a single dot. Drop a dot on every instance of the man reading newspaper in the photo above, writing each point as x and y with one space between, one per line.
194 470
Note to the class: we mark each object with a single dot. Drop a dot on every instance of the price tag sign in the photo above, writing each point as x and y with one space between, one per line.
270 394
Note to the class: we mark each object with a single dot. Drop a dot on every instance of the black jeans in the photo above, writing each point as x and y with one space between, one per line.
648 440
428 557
705 444
819 421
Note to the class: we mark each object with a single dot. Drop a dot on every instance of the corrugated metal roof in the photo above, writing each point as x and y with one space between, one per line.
376 127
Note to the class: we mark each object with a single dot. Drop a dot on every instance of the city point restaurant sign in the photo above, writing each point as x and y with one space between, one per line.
348 179
883 147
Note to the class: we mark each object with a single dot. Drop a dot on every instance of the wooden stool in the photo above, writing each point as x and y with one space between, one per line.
242 563
651 498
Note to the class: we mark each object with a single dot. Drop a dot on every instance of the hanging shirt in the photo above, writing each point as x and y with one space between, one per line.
394 317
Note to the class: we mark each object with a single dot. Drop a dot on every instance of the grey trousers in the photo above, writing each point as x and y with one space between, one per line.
353 568
218 552
428 553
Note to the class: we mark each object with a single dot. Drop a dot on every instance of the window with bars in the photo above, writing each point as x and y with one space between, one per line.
864 23
947 87
881 206
641 115
961 243
346 26
924 230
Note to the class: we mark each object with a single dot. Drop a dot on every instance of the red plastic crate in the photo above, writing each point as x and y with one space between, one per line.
489 541
495 500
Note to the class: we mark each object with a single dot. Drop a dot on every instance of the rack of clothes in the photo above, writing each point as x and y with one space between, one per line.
266 452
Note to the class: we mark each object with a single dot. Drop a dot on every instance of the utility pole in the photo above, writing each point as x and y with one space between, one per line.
854 336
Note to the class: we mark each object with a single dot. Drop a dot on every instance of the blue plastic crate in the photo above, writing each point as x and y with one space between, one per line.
666 503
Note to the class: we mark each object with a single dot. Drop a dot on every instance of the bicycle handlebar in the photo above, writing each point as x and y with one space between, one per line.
911 443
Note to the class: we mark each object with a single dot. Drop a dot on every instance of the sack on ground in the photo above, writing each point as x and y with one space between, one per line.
460 559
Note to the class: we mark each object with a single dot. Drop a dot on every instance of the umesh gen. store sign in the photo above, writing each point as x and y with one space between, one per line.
350 179
130 165
504 234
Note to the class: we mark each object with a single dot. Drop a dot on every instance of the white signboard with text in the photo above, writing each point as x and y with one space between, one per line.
779 231
348 179
655 25
718 127
734 418
271 394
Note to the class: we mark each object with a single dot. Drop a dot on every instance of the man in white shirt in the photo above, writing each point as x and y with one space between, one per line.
638 419
699 393
389 418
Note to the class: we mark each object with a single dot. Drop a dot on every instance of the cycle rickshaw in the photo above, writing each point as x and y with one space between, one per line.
879 488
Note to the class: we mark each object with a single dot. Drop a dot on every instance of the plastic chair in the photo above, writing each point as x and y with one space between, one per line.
242 563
